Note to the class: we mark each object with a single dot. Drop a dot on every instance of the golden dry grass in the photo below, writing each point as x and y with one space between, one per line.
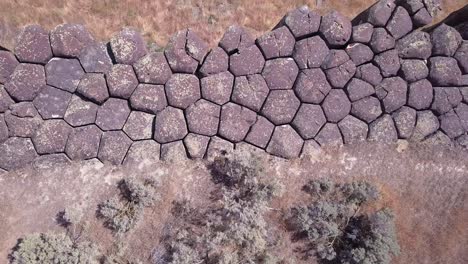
159 19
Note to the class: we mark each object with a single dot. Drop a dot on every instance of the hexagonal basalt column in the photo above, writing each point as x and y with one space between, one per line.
405 120
16 152
383 130
64 74
33 45
112 114
93 87
185 51
336 105
216 61
310 52
235 122
83 142
388 62
353 130
329 135
336 29
426 124
69 40
128 46
51 137
22 120
217 88
250 91
302 22
245 61
381 40
8 64
281 106
358 89
122 81
312 86
114 146
52 102
153 68
203 117
309 120
182 90
260 133
95 58
149 98
420 95
26 82
285 142
80 112
416 45
444 71
277 43
400 23
413 70
392 92
5 100
280 74
367 109
445 40
340 76
170 125
139 125
196 145
235 38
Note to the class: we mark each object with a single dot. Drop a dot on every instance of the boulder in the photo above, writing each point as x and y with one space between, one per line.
128 46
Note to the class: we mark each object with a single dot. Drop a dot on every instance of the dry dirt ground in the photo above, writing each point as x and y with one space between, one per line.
159 19
426 186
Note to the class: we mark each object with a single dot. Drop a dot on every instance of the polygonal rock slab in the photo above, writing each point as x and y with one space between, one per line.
245 61
203 117
340 76
302 21
114 146
451 125
170 125
353 130
182 90
83 142
218 147
185 51
359 53
444 71
173 151
388 62
250 91
280 74
309 120
426 124
335 58
281 106
26 82
33 45
122 81
380 12
445 99
69 40
462 57
310 52
51 161
80 112
93 87
217 88
369 73
312 86
149 98
128 46
64 74
235 122
3 129
400 24
405 120
260 133
196 145
336 29
95 58
420 95
52 102
139 125
413 70
285 143
216 61
51 137
336 105
329 135
235 38
412 6
112 114
367 109
383 130
416 45
16 153
153 68
392 92
362 33
8 64
381 40
462 113
358 89
422 18
5 100
277 43
142 153
445 40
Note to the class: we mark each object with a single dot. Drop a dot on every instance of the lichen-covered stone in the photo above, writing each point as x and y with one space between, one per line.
380 12
16 153
26 82
235 122
260 132
173 151
445 99
444 71
336 105
369 73
462 113
33 45
416 45
392 92
285 142
80 112
69 40
358 89
235 38
383 130
112 114
353 130
310 52
122 81
281 106
335 58
3 129
312 86
362 33
412 6
114 146
420 95
52 102
277 43
302 22
359 53
170 125
445 40
309 120
381 40
153 68
93 87
426 124
185 51
329 135
22 120
219 147
450 124
5 100
336 29
51 161
182 90
139 125
217 88
216 61
148 98
405 120
83 142
413 70
128 46
280 74
367 109
142 153
388 62
422 18
8 64
51 137
462 56
196 145
400 23
64 74
203 117
247 60
250 91
95 58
